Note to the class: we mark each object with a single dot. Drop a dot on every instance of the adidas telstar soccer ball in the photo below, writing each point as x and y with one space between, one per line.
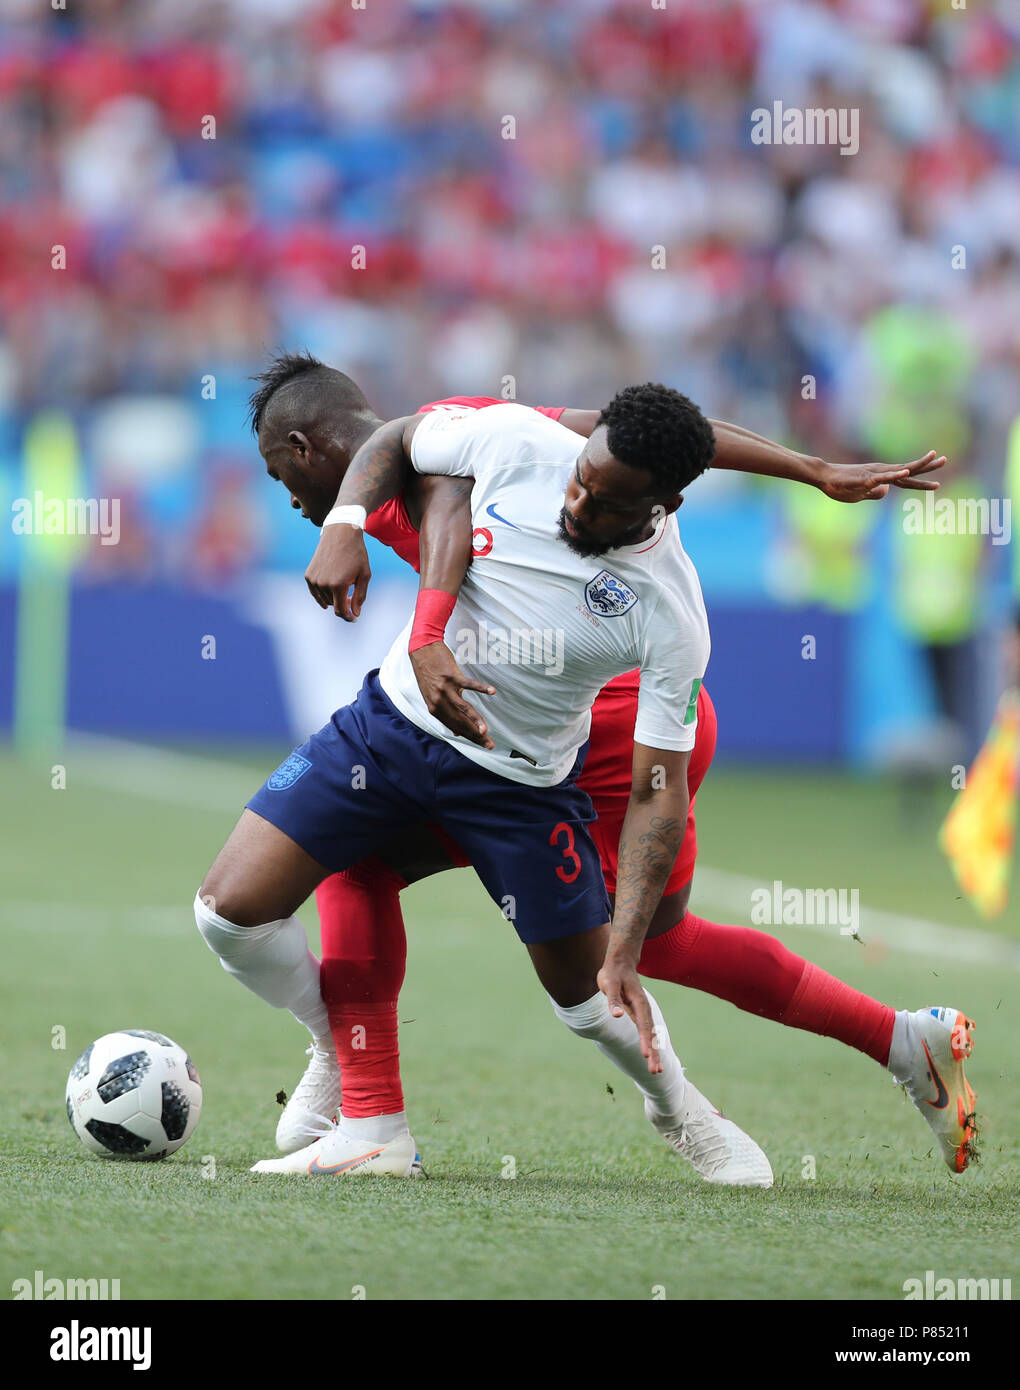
133 1094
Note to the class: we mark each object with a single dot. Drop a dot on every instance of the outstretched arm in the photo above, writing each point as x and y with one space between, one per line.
746 452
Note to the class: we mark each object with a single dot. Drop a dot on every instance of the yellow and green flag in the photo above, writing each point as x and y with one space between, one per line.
977 834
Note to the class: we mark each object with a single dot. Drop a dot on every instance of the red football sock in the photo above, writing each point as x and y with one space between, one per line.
823 1004
364 952
757 973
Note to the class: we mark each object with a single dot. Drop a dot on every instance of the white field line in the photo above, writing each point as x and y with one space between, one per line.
47 917
185 779
159 774
731 893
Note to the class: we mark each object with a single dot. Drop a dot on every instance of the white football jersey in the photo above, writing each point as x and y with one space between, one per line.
546 627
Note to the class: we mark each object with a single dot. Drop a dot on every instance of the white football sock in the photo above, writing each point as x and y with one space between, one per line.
374 1128
903 1044
272 960
618 1039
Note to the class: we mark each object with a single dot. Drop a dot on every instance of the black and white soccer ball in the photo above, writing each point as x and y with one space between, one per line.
133 1094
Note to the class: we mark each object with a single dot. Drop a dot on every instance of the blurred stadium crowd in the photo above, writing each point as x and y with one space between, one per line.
485 257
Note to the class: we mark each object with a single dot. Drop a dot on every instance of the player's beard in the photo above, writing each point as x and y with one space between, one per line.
586 547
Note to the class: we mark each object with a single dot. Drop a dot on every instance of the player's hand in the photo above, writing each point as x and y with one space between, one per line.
441 681
866 482
619 982
340 562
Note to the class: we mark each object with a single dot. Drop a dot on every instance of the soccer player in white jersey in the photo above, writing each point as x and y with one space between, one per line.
311 421
583 547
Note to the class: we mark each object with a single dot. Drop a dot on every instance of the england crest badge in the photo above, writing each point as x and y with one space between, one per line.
608 596
288 772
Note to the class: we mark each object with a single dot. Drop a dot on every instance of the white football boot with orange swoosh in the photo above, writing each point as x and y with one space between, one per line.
927 1060
337 1155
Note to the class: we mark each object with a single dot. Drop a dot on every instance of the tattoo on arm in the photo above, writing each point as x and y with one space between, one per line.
379 468
642 873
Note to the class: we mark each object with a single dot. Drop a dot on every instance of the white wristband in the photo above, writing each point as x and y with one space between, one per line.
350 515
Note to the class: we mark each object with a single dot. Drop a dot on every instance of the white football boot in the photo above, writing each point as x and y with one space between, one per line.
713 1145
927 1061
337 1155
306 1116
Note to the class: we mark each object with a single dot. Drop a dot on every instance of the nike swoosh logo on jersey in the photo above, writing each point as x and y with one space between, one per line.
941 1094
491 511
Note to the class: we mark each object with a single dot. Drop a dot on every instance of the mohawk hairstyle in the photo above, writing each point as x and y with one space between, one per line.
311 377
656 428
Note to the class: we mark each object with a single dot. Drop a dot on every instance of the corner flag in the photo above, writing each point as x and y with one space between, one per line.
977 834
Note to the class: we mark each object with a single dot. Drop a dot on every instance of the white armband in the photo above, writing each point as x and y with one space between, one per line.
350 515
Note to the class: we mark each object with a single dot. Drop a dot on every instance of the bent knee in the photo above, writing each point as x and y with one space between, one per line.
228 896
572 990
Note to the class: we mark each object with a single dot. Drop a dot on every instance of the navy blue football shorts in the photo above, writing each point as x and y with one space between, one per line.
351 788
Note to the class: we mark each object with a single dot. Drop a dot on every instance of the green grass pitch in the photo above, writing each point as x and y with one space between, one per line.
98 934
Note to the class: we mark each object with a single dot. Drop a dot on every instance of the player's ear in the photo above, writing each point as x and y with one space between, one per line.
299 446
671 504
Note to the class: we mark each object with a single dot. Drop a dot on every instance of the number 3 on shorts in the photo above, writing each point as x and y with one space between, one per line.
569 852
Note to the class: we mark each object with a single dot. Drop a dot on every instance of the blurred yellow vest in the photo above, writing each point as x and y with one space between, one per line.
937 564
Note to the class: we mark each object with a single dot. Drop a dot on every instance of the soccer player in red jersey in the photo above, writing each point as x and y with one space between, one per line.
310 421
